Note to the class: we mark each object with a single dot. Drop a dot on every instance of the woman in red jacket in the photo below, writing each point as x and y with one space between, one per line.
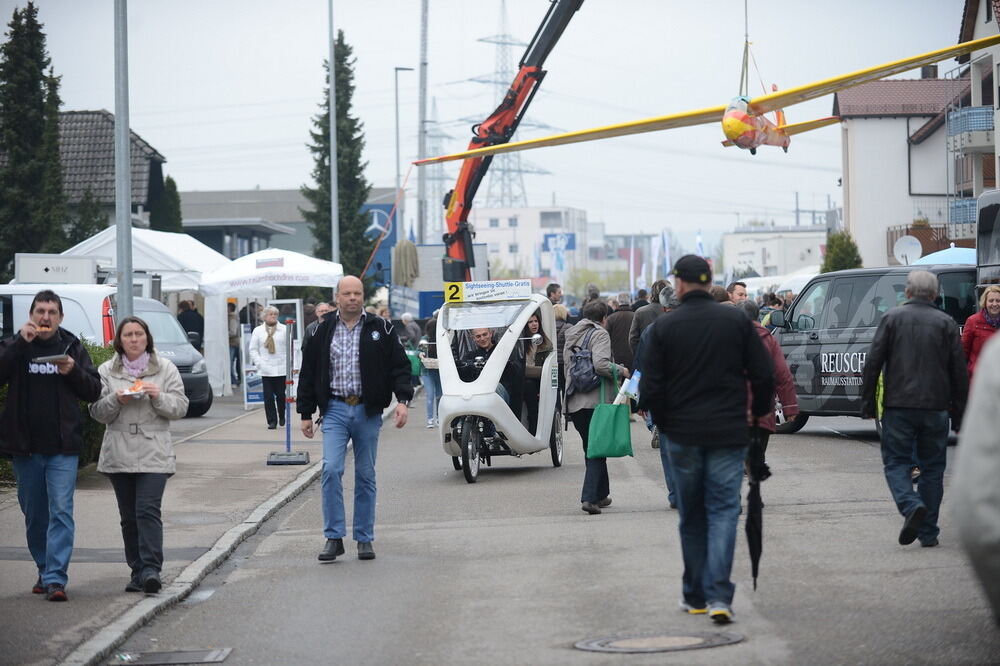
980 326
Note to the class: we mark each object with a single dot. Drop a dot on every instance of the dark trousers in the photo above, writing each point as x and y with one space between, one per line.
596 485
274 400
531 389
139 497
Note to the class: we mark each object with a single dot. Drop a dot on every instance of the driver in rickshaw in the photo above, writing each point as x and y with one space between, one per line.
471 364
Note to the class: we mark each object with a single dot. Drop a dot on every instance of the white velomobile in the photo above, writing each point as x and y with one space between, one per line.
469 411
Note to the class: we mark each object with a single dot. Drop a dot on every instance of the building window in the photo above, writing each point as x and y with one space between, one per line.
494 222
255 244
512 248
550 219
512 221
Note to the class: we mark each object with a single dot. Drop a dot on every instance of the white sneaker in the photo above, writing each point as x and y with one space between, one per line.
430 423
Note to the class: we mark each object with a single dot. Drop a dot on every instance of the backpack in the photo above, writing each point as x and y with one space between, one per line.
582 375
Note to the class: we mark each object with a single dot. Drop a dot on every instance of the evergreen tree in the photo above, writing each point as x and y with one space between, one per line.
26 198
841 253
165 214
50 208
352 188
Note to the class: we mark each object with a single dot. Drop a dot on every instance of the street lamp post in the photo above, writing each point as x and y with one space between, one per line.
399 226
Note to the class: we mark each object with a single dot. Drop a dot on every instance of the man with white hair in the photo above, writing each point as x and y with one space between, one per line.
918 350
411 329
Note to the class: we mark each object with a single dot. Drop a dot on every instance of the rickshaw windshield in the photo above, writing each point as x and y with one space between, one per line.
466 316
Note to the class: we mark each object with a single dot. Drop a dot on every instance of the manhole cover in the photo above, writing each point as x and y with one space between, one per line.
655 642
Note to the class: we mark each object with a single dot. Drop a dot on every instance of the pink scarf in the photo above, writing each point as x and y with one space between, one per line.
136 367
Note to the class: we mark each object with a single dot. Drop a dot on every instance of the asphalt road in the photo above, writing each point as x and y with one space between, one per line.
510 571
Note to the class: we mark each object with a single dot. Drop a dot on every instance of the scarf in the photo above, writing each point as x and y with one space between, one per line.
269 343
136 367
992 321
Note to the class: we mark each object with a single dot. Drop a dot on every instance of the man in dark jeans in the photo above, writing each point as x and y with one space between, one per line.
925 377
47 371
695 367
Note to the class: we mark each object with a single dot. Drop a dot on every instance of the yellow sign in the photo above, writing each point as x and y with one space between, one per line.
486 290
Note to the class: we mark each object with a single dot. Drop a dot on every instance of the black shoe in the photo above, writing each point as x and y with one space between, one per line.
604 502
911 525
55 592
38 587
365 550
272 426
929 544
134 585
281 422
151 584
331 550
590 508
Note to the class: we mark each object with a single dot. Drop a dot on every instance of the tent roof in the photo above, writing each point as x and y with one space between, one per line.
254 274
179 258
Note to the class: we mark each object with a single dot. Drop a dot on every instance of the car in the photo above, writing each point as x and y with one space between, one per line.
89 312
826 332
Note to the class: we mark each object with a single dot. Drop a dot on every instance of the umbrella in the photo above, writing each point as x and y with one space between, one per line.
950 255
757 471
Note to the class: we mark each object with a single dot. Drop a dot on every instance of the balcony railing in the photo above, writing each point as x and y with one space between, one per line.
970 119
962 211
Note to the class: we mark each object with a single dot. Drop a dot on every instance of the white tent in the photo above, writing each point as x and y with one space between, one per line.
178 258
253 276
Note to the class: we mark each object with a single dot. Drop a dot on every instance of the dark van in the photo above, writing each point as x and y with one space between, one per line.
826 332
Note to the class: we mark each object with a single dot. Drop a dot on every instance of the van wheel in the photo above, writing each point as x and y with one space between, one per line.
556 442
788 427
196 409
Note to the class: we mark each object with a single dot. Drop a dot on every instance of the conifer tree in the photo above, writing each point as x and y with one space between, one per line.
352 187
165 214
841 253
90 219
27 99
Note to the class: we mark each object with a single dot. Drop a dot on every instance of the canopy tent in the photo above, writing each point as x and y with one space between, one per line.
179 258
253 276
949 255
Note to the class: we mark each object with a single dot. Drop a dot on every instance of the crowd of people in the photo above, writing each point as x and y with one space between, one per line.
710 372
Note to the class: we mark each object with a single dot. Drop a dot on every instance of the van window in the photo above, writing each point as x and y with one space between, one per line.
806 313
851 302
6 316
958 295
890 291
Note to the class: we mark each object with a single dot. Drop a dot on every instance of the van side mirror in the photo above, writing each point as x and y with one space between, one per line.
778 319
194 339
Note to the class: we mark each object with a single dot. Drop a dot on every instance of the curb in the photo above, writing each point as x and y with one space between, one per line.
100 646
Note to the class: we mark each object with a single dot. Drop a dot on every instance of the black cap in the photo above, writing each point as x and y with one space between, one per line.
692 268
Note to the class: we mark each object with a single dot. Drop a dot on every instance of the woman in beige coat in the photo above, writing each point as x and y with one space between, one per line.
140 394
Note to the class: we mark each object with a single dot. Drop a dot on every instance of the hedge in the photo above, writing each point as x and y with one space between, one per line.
93 432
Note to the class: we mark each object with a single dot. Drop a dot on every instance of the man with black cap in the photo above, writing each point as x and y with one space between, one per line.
694 382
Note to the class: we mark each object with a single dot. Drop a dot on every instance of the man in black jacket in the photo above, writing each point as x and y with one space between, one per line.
48 371
695 370
925 377
351 367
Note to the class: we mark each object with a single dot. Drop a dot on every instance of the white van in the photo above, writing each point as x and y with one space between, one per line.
89 313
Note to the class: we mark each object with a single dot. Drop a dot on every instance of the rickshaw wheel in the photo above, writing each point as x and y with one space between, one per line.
456 463
556 442
470 450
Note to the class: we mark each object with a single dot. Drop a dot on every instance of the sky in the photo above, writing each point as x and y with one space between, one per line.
226 90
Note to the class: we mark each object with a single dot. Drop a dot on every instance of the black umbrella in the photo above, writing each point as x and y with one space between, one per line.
757 471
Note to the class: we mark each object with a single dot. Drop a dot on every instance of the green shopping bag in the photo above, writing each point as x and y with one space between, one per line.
414 358
610 435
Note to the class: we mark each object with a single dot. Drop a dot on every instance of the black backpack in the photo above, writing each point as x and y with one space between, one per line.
582 375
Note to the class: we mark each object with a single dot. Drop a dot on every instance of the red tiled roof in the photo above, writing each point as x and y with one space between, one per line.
898 97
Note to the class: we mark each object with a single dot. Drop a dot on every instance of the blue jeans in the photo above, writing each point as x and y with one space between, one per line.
432 392
234 365
342 422
45 486
707 482
667 474
926 432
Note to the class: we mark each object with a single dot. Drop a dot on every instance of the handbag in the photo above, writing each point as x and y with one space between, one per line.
610 435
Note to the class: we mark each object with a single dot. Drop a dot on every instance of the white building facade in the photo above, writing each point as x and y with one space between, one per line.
773 250
524 240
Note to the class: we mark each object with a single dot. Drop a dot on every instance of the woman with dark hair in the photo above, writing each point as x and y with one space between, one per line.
141 393
533 359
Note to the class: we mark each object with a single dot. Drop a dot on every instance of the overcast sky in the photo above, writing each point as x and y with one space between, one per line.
226 89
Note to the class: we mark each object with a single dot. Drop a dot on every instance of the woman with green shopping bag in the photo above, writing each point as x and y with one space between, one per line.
589 335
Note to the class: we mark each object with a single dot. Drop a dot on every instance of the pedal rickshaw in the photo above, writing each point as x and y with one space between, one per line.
476 423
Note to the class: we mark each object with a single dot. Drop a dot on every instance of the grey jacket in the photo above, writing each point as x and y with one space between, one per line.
137 437
644 316
600 347
974 491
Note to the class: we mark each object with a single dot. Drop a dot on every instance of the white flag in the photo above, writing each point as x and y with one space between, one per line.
666 253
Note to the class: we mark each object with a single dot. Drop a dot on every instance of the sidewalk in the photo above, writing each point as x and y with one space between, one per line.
221 492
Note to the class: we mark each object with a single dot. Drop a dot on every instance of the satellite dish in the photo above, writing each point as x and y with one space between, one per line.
907 249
